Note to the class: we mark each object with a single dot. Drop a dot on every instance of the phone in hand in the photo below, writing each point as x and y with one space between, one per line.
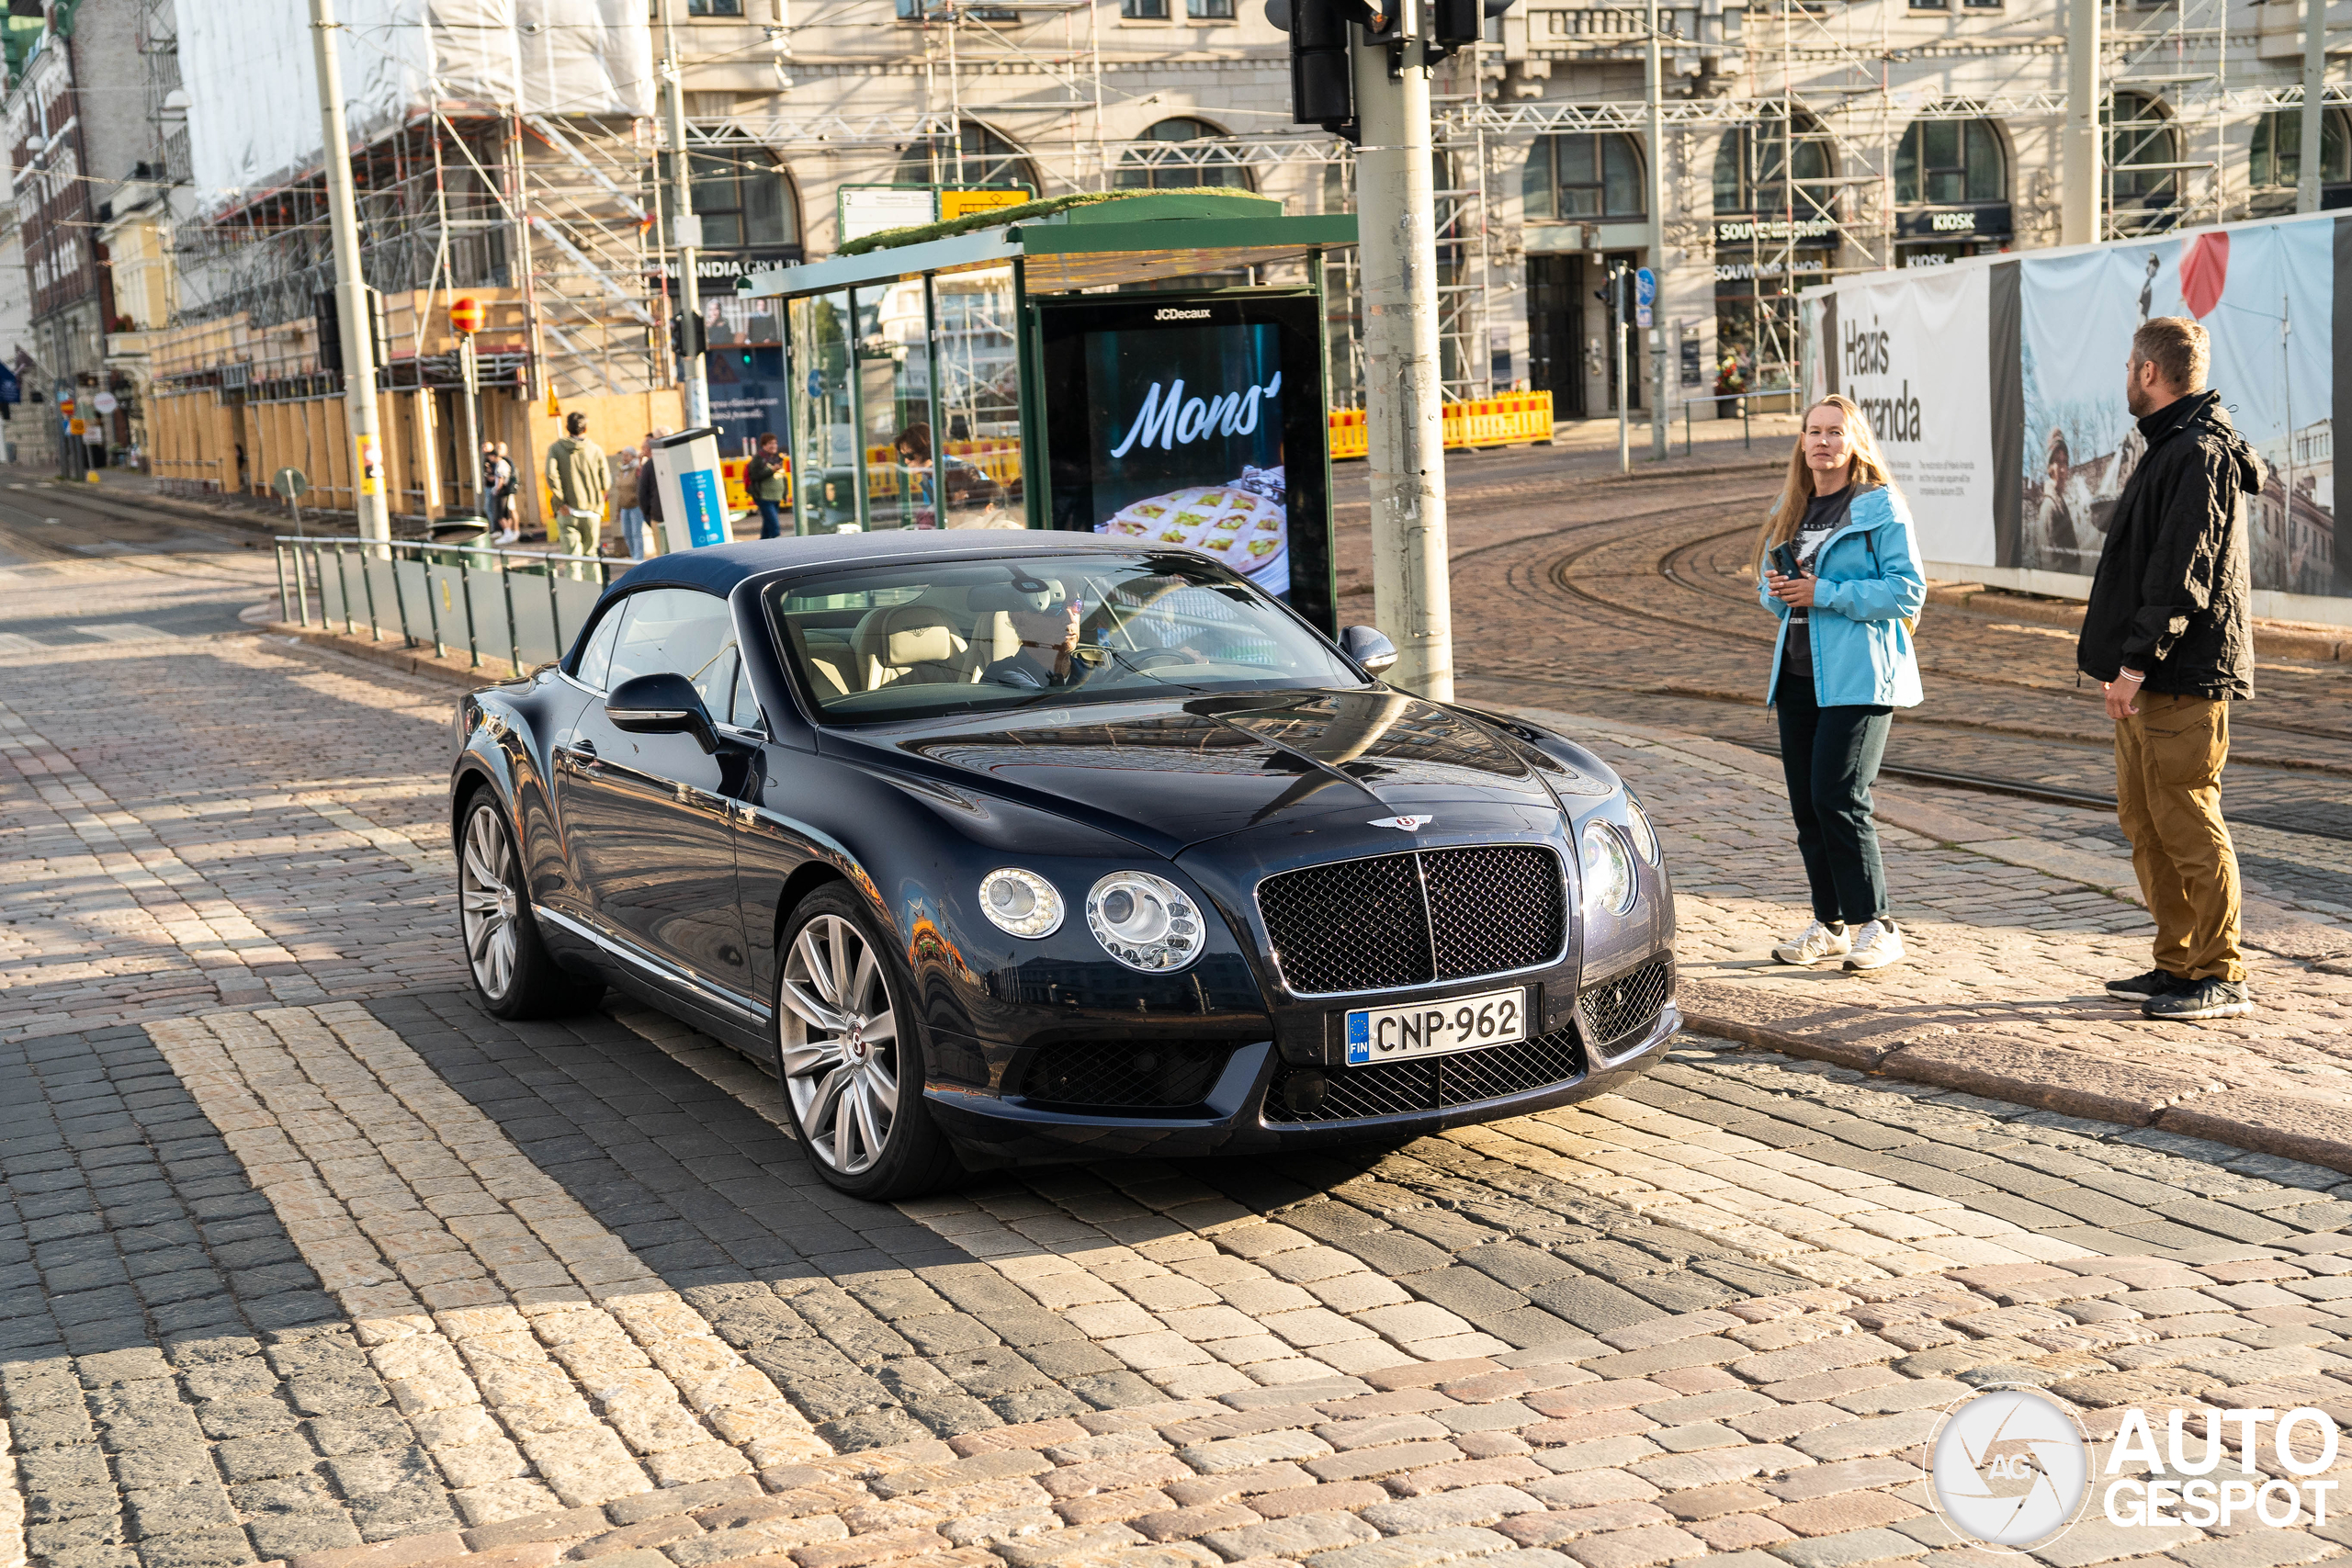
1784 560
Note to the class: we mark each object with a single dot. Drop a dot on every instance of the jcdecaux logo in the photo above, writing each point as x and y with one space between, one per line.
2011 1469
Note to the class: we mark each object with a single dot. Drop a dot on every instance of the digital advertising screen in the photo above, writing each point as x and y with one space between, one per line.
1195 421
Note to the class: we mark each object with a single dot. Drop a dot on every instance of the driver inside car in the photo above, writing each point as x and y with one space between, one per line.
1046 657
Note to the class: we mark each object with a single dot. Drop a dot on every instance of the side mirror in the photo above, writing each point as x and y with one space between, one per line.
1369 647
664 704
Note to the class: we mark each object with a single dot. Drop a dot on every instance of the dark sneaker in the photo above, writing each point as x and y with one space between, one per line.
2140 987
2199 1000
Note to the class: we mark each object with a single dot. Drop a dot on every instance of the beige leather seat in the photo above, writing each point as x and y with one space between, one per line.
910 642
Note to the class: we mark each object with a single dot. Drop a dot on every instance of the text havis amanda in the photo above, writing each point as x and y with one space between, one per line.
1170 419
1869 351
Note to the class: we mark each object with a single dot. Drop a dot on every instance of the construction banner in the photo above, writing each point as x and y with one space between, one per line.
2014 454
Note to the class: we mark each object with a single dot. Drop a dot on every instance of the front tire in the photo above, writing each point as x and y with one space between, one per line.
512 970
850 1056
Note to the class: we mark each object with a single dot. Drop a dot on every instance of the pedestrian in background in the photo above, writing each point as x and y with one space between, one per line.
2168 635
497 480
649 493
578 476
510 482
764 476
1838 565
624 507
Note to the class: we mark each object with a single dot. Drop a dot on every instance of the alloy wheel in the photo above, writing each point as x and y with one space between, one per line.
488 900
839 1037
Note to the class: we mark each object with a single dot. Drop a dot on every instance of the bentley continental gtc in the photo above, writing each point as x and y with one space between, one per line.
1000 847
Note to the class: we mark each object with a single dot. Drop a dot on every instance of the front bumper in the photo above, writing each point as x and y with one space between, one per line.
989 1129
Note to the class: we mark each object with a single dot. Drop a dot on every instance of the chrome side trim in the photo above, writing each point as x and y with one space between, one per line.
661 969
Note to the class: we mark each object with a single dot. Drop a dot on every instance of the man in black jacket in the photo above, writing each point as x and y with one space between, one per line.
2168 635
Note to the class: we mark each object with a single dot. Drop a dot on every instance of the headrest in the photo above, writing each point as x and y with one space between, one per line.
920 644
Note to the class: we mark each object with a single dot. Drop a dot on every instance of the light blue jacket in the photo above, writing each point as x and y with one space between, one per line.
1869 584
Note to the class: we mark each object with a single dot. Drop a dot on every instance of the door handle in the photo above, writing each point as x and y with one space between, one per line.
583 751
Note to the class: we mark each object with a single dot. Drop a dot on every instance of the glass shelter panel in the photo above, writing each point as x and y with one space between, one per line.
971 468
894 401
824 430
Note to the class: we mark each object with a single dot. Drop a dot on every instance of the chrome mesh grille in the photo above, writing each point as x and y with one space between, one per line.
1431 1083
1406 919
1155 1076
1626 1006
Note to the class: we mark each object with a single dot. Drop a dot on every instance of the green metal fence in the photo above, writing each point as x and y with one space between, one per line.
520 608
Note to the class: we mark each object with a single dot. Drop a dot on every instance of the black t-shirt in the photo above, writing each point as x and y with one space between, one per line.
1824 515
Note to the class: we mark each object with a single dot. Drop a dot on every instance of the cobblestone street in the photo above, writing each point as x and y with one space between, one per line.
305 1260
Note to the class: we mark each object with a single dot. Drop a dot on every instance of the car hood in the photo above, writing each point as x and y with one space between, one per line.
1168 774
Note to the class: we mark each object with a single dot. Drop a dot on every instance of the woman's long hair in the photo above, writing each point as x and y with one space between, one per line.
1864 470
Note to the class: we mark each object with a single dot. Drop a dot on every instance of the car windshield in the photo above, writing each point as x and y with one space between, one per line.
917 641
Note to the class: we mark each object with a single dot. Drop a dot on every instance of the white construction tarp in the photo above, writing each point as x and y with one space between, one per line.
249 73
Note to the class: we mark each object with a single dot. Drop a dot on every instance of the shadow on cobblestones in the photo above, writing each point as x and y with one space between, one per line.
877 1329
169 1364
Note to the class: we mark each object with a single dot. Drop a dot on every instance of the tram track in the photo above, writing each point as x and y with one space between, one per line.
2057 756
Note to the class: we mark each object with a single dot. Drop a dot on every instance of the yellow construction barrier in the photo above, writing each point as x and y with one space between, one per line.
1506 419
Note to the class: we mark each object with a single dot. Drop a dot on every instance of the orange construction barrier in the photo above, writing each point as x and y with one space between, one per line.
1507 419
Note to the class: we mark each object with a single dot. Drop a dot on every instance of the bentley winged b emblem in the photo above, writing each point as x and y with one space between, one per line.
1403 824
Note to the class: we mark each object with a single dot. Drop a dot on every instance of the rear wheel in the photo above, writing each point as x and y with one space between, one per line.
850 1055
511 967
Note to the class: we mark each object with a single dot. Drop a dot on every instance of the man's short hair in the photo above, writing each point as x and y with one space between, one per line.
577 423
2178 348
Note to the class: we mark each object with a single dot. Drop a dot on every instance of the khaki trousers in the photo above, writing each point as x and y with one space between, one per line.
578 536
2168 760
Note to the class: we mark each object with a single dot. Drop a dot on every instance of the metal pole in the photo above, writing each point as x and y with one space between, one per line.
1657 82
470 368
350 288
1617 330
2079 203
2315 95
685 228
1404 418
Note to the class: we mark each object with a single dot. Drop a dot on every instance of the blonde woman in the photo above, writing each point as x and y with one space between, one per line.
1837 563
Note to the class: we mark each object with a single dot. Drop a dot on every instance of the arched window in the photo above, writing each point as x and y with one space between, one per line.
2140 141
977 157
2277 157
1570 176
1752 168
1945 161
743 196
1137 171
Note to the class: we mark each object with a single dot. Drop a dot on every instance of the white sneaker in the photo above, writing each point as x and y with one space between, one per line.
1816 942
1876 946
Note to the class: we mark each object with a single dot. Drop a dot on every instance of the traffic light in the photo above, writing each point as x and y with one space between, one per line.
1322 89
1459 24
688 336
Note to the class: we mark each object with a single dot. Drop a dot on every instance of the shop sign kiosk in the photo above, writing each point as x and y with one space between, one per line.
693 492
1109 365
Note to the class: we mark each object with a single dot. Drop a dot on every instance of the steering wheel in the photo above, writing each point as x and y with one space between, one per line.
1152 659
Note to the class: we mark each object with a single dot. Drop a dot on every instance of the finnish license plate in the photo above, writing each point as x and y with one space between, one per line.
1433 1029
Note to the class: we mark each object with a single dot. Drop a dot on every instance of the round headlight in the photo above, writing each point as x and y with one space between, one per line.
1021 902
1145 922
1645 835
1608 869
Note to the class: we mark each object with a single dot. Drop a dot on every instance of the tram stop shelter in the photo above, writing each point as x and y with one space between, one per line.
1117 364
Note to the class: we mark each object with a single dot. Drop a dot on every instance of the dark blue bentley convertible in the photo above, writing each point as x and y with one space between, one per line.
1002 846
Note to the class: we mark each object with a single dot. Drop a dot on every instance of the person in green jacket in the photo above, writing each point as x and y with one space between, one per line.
578 476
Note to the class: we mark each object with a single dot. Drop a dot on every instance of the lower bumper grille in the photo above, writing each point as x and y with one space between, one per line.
1624 1008
1435 1083
1085 1074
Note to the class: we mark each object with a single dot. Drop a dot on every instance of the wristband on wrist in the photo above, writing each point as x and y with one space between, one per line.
2129 677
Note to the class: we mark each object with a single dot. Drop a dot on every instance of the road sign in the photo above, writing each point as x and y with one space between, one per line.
961 203
104 403
1645 296
76 428
289 482
65 406
466 315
